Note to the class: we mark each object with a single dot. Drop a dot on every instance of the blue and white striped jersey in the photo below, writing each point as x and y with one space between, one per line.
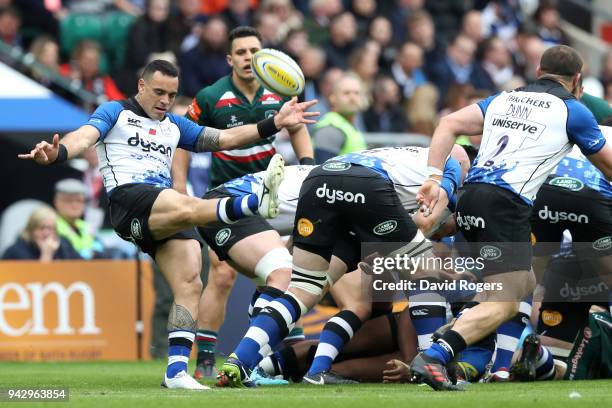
134 148
527 132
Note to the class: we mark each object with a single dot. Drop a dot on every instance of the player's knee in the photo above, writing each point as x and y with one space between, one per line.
274 268
279 279
223 277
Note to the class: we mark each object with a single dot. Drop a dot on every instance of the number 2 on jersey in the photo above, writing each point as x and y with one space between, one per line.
502 143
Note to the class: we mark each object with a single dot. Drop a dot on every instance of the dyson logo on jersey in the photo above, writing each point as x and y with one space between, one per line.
468 221
338 195
147 146
556 216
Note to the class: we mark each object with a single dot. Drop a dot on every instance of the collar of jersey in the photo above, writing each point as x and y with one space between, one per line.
133 105
239 93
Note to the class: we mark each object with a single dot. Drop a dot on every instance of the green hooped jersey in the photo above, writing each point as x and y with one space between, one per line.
222 106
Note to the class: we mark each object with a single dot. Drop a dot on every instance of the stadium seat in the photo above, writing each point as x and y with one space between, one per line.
116 28
77 27
14 219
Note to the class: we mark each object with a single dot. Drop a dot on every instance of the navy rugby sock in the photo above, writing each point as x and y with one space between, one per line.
231 209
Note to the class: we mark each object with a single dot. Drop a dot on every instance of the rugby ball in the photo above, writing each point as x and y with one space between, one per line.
278 72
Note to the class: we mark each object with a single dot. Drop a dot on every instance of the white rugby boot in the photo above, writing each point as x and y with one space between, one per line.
268 196
183 381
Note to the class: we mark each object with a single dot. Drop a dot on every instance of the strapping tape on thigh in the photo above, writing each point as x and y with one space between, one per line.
277 258
310 281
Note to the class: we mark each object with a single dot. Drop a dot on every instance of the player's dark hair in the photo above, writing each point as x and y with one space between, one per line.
165 67
561 60
241 32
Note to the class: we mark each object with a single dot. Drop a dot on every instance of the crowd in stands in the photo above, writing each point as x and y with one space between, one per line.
416 59
396 47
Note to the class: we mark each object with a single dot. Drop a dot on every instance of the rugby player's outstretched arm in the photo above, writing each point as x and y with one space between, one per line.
75 143
291 114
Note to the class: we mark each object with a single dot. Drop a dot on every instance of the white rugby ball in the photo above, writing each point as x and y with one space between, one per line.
278 72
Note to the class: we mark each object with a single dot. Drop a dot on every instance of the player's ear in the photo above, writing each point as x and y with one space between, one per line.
141 84
228 58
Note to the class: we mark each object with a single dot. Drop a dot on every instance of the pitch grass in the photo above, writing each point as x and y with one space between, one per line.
109 384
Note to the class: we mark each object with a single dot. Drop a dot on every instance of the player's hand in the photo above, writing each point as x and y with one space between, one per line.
427 197
396 372
294 113
43 152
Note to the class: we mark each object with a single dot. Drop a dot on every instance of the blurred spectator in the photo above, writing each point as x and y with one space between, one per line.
472 26
295 43
207 62
496 64
150 33
335 133
45 51
238 13
267 24
606 69
342 40
456 66
213 7
421 31
364 12
290 18
385 113
318 21
456 98
10 24
185 26
364 63
502 18
380 30
422 110
132 7
39 239
399 12
548 21
326 83
85 70
530 48
95 214
312 62
406 70
447 16
69 202
37 17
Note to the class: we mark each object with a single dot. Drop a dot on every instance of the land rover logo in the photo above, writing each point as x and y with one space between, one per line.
135 229
568 183
222 236
603 243
490 253
336 166
385 227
